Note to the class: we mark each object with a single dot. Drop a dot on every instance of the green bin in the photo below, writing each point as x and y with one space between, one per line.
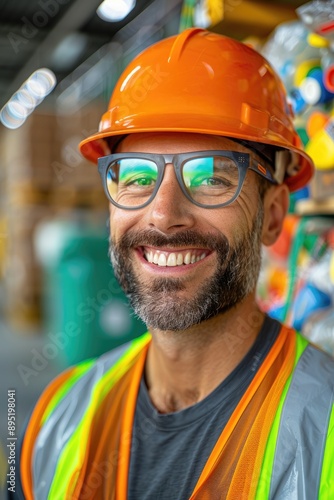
86 312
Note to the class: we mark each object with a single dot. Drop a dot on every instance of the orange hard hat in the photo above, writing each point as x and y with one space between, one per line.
206 83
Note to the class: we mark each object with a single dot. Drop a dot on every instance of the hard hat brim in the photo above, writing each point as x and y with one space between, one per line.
95 146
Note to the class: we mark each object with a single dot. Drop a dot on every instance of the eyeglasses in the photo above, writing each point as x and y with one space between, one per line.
209 179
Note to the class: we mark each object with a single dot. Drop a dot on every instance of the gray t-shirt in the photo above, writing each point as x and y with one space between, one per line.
170 450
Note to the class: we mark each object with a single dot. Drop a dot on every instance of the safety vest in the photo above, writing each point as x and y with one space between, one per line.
278 443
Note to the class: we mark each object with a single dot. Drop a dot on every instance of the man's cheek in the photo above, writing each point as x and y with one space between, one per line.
120 224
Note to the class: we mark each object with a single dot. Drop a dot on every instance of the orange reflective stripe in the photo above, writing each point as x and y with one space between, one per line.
241 444
247 474
33 429
126 428
106 462
233 468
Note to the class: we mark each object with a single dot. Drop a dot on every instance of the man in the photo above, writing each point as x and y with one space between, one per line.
197 154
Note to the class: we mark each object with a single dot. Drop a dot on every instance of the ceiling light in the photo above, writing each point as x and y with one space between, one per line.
13 114
40 84
30 94
115 10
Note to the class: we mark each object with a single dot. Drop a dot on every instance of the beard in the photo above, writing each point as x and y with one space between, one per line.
158 304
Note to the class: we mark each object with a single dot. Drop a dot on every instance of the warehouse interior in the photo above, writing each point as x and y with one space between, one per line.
56 281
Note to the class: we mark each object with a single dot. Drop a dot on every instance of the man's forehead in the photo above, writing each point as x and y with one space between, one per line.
174 142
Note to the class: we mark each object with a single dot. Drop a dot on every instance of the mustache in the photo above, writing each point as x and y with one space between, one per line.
187 238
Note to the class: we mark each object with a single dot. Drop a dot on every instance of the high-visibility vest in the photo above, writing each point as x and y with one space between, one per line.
278 443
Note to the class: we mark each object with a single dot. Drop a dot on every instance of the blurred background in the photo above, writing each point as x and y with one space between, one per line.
59 60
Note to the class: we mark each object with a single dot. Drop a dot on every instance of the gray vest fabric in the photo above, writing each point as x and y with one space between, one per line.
169 451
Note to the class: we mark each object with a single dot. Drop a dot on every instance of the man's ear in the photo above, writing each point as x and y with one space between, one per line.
276 204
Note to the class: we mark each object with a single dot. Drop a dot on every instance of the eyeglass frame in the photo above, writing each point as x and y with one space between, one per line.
177 160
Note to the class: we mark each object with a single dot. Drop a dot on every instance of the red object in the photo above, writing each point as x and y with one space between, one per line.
326 28
329 78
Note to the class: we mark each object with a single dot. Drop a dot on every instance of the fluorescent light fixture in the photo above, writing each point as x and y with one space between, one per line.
13 114
115 10
30 94
40 84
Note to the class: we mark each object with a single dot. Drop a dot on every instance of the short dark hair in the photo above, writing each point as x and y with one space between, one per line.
263 185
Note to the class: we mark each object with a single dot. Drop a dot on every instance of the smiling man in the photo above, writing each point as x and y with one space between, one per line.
182 264
197 154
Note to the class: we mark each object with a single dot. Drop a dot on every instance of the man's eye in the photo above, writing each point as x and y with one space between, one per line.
139 180
142 181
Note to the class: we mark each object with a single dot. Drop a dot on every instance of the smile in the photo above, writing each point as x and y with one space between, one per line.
165 258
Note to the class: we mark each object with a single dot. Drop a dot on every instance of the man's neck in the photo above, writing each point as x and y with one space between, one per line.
182 368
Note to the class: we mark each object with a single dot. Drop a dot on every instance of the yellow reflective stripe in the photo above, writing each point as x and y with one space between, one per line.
263 487
78 372
326 489
73 454
108 379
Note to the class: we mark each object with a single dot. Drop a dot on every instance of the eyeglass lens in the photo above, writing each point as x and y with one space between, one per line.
208 180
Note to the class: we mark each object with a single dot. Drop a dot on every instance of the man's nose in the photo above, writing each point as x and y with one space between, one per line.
170 209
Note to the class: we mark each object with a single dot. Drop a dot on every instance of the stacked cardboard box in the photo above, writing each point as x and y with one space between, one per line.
44 175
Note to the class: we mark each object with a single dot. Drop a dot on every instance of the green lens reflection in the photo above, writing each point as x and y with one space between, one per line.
131 181
211 179
137 172
196 169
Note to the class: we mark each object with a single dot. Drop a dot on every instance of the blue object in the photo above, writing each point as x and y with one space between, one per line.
302 193
313 89
276 312
297 101
309 299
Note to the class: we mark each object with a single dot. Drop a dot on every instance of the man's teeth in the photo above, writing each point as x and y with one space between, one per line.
173 259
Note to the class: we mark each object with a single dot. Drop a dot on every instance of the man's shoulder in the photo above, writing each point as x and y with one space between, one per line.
88 372
314 369
82 383
88 368
322 354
